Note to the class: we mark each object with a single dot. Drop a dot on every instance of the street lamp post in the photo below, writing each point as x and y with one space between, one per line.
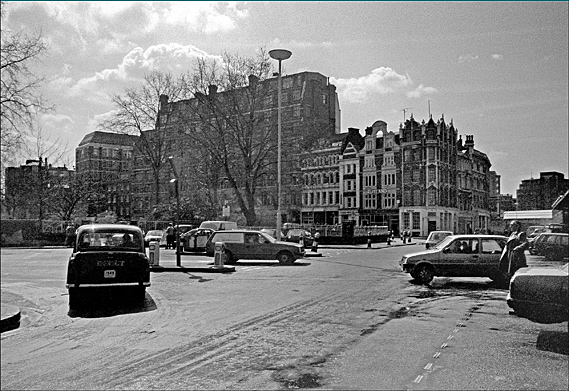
279 55
176 183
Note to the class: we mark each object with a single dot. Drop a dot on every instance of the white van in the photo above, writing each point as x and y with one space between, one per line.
219 225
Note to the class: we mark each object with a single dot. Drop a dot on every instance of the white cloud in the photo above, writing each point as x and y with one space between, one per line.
467 58
497 56
381 81
300 44
98 119
421 90
171 57
95 17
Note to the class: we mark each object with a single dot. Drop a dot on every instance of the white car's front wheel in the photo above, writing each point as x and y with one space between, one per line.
423 274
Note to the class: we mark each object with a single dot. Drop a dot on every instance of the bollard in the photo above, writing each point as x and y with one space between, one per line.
368 239
314 247
388 240
154 252
218 255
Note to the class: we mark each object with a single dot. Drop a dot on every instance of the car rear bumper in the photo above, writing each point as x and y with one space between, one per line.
145 284
539 312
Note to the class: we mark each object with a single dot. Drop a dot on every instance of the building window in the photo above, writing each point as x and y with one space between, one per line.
296 94
432 174
417 197
406 220
432 196
431 154
416 220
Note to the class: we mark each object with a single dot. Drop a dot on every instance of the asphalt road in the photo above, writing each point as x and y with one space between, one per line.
347 320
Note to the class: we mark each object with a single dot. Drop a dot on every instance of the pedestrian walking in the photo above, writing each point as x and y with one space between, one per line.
170 236
513 256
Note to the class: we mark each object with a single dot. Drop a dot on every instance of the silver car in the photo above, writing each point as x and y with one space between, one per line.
457 256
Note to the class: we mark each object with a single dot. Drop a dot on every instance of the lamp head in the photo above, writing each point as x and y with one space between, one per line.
280 54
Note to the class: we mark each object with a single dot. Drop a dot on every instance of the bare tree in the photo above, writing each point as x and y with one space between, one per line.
227 121
65 195
137 114
19 95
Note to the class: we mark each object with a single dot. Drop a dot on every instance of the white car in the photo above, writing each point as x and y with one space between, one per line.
154 235
435 237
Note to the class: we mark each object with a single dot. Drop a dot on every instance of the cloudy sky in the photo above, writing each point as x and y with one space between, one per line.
497 69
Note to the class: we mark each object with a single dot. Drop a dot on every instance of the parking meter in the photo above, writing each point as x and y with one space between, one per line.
154 253
218 254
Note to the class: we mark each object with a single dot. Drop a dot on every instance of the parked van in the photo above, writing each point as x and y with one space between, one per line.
219 225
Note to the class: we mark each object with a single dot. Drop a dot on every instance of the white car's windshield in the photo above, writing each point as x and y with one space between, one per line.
154 233
443 243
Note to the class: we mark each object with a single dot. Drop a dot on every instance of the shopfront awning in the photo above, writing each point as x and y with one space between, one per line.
528 214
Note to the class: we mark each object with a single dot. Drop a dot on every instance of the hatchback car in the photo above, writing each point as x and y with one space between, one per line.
435 237
154 235
244 244
294 234
457 256
540 294
107 255
554 246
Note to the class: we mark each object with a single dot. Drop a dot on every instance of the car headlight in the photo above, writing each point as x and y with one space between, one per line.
403 260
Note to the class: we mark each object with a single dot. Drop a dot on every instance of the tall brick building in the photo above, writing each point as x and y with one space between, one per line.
310 111
104 161
541 193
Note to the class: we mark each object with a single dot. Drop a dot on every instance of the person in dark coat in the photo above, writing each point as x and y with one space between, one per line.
513 256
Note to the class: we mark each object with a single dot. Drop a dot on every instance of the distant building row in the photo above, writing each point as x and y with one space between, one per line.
422 177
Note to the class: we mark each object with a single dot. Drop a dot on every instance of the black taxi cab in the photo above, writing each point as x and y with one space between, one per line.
107 255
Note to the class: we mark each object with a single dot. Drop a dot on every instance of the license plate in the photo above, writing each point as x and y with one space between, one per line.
110 273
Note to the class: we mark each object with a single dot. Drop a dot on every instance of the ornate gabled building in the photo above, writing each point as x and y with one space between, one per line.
321 183
381 177
473 181
428 185
419 179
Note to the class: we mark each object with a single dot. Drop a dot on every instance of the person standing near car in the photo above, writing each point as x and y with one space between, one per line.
513 256
170 236
70 235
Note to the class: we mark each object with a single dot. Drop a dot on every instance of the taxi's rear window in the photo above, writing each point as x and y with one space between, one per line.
108 240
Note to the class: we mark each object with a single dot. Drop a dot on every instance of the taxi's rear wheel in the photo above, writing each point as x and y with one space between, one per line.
424 274
285 258
75 298
140 294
